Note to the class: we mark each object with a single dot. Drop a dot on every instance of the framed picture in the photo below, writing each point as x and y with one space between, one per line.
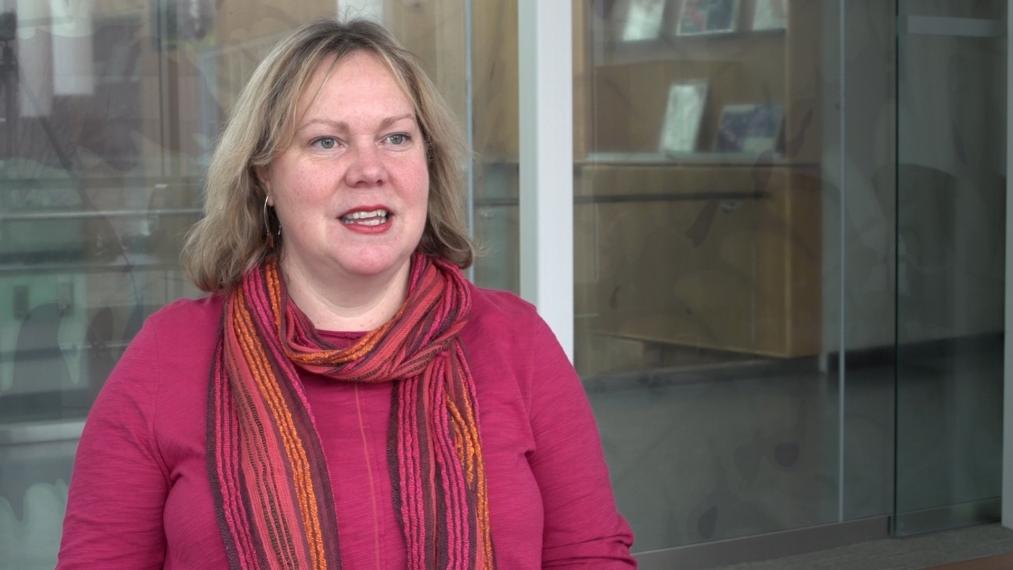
643 20
749 128
698 17
683 113
179 23
770 15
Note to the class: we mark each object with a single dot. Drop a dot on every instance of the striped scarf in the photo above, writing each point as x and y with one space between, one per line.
269 476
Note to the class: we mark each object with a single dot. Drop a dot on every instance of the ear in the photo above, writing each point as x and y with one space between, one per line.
262 173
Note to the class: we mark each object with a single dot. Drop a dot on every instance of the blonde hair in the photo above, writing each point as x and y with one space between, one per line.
232 237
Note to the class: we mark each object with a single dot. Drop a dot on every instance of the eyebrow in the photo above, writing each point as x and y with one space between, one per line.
344 126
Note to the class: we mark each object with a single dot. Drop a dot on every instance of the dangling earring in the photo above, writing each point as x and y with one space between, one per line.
267 224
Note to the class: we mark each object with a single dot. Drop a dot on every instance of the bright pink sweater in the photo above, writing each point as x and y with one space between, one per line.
140 495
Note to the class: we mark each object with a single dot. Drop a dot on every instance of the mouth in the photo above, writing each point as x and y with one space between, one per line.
363 217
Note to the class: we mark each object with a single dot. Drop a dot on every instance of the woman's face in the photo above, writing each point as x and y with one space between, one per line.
351 190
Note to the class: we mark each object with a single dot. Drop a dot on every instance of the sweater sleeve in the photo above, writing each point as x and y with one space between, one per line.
119 482
583 528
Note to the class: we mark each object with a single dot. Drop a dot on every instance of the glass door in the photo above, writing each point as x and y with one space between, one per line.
951 135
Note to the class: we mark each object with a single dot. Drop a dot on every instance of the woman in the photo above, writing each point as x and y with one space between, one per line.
260 428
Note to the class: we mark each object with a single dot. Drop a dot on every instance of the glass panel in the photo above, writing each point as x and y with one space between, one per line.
495 143
950 262
706 332
109 111
98 180
486 106
859 223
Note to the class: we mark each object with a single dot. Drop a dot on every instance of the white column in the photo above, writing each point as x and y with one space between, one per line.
545 75
35 59
363 9
1007 412
73 68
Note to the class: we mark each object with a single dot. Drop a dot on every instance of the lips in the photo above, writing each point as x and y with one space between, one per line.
367 216
370 219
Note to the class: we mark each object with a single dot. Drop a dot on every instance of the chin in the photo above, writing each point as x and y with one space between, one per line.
373 267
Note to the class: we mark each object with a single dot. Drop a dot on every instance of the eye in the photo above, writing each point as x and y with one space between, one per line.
399 139
326 143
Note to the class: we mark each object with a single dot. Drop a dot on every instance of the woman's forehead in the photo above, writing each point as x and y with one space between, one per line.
359 75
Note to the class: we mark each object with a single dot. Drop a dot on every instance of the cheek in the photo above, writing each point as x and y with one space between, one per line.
422 185
422 204
414 188
298 194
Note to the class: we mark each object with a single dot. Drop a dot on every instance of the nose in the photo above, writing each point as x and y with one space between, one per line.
366 167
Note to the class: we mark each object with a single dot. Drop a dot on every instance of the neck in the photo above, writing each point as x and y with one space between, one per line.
337 302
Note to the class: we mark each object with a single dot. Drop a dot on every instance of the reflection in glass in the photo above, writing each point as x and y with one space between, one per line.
682 116
643 20
770 15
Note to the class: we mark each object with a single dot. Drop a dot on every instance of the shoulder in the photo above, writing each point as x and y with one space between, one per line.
505 319
162 375
152 404
493 309
496 302
514 355
175 337
190 315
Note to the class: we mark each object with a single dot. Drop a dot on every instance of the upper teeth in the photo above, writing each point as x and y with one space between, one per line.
363 215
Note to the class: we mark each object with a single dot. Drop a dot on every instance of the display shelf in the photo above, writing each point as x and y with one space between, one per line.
743 159
40 431
705 48
130 262
704 257
707 249
91 214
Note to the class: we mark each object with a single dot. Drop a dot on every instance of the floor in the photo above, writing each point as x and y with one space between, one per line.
980 548
998 562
